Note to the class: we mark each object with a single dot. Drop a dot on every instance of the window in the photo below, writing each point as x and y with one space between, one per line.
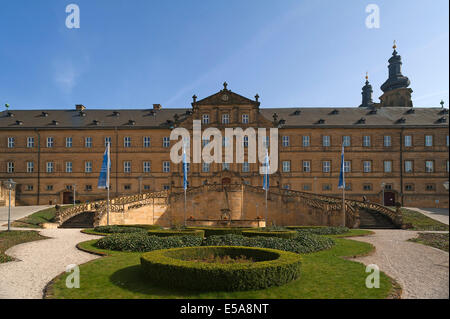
366 141
245 141
127 167
225 119
68 167
29 187
429 166
409 187
11 142
127 187
50 167
49 187
326 187
166 166
30 141
387 166
430 187
306 141
10 167
245 167
306 166
225 166
408 140
367 166
166 141
428 140
166 187
147 141
88 167
30 167
68 142
326 166
146 187
245 118
408 166
306 187
325 141
367 187
388 187
346 141
146 167
348 186
88 187
285 141
286 166
387 141
50 142
347 166
205 167
205 119
127 141
88 142
107 141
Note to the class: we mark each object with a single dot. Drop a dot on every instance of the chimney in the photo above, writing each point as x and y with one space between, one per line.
80 107
157 106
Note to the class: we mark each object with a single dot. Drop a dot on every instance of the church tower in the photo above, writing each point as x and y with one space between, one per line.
396 91
367 94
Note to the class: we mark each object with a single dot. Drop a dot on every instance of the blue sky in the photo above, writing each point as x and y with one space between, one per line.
134 53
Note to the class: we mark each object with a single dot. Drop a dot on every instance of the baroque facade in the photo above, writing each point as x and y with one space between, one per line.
394 152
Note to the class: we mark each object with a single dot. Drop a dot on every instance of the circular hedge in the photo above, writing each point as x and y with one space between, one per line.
321 230
217 231
169 232
116 229
286 234
170 268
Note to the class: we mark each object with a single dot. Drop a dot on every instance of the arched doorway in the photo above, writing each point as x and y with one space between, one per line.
389 198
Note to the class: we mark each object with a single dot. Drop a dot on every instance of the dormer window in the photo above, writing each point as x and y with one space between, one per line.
373 111
334 112
9 114
401 120
321 121
116 113
44 114
131 122
410 111
362 120
19 123
54 122
297 112
442 120
95 122
82 114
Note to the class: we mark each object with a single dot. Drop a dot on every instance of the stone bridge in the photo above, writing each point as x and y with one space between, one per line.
231 205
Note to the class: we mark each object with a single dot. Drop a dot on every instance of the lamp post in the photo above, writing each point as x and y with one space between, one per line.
10 185
382 188
74 188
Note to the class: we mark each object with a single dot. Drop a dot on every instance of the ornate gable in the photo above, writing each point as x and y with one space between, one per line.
226 97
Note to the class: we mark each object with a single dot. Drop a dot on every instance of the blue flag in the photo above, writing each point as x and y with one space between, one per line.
266 173
185 169
103 179
341 174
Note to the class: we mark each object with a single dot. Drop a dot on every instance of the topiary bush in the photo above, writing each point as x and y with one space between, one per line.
286 234
141 242
321 230
115 229
170 232
215 231
169 268
301 244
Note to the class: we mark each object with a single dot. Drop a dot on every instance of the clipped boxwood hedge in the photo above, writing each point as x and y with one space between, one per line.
302 244
321 230
116 229
144 226
169 232
286 234
216 231
273 268
141 242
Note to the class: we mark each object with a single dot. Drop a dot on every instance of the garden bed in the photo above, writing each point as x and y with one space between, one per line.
174 268
286 234
169 232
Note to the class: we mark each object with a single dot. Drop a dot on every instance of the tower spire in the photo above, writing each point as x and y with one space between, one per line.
366 93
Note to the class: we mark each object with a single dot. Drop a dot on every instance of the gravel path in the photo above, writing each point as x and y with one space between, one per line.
421 271
40 261
439 214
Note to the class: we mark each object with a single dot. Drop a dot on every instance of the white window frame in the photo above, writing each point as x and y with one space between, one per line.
11 142
127 166
88 167
205 118
88 142
366 141
30 167
387 166
205 167
367 166
127 141
387 141
408 166
326 166
346 140
428 140
326 141
245 167
166 141
10 167
69 142
245 118
347 166
408 141
225 118
108 140
50 142
306 166
166 166
146 141
69 167
285 141
30 141
429 168
50 167
286 166
306 140
146 166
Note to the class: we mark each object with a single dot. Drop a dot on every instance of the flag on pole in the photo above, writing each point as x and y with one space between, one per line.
266 172
185 169
341 174
103 179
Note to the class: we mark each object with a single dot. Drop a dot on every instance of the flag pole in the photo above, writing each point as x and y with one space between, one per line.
343 187
184 166
107 186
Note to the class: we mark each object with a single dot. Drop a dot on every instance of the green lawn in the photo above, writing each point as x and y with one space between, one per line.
436 240
420 221
324 274
15 237
35 220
